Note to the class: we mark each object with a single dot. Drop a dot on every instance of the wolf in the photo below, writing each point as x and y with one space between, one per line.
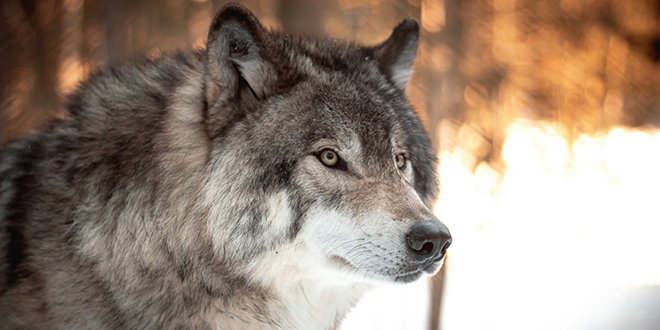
263 182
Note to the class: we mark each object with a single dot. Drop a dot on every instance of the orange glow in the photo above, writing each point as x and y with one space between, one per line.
433 15
71 73
199 22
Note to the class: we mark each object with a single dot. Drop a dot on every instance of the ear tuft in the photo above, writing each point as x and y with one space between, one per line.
397 54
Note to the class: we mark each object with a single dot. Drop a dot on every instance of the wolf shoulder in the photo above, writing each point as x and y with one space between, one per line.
114 128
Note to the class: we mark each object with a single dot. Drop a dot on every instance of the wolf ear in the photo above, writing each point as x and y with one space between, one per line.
397 53
236 56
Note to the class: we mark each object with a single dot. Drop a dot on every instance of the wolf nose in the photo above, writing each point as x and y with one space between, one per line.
428 239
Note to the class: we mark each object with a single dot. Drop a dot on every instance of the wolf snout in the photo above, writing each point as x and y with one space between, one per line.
428 239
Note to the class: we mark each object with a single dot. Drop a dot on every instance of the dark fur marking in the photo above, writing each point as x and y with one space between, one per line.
276 174
255 224
18 208
299 206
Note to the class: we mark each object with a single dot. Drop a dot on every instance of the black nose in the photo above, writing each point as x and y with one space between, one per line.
428 239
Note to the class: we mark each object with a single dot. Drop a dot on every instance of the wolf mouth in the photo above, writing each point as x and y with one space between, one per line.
428 267
411 276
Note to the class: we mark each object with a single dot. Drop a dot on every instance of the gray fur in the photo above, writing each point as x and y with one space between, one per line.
186 192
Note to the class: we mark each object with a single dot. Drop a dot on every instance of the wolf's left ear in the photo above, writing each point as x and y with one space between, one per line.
236 54
397 54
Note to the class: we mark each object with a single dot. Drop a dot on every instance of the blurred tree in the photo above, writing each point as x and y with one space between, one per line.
31 44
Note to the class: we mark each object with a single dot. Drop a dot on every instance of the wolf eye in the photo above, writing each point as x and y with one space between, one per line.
401 161
329 158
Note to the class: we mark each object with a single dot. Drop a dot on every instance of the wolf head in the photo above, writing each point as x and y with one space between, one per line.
319 162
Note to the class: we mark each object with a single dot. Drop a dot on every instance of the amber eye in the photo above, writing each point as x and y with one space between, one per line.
329 158
401 162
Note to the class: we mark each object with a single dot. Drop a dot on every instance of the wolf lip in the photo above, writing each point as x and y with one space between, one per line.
410 277
341 261
430 266
430 269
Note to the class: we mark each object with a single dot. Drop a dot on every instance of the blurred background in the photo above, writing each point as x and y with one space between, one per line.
544 115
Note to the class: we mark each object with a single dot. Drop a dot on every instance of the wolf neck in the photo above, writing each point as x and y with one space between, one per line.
293 299
307 305
302 305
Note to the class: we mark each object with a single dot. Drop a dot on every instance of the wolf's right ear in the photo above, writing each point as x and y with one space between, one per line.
236 57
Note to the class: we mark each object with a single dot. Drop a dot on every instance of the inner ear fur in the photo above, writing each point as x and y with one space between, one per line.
238 73
236 56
